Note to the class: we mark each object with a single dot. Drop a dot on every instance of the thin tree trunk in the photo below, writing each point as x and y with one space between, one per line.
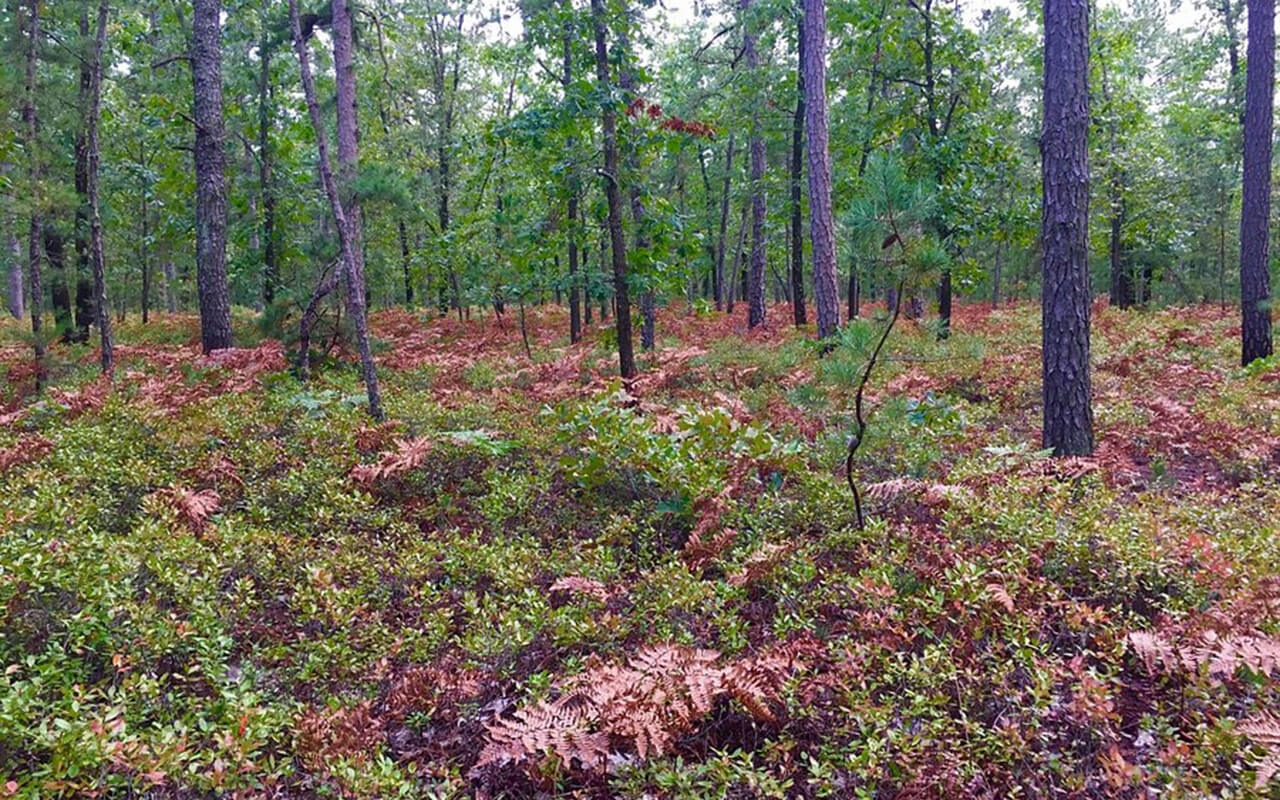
266 182
103 317
144 255
1068 415
718 284
608 123
821 219
35 231
566 80
1255 215
16 301
405 270
755 272
210 165
797 176
170 272
80 279
346 228
995 277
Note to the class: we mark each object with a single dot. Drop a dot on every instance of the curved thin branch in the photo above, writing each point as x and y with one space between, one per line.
856 440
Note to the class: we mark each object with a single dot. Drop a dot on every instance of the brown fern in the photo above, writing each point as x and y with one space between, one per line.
349 732
408 455
192 508
28 449
1263 729
760 563
642 706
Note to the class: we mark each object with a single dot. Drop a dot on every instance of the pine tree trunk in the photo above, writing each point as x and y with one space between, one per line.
266 182
1255 214
347 231
797 175
718 284
16 301
608 122
83 314
210 165
35 229
97 258
756 267
1068 415
821 219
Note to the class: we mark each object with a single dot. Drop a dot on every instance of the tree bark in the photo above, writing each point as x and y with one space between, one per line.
821 220
16 300
210 165
608 123
566 79
346 228
1255 214
755 272
718 284
80 277
98 262
797 175
1068 415
266 178
35 229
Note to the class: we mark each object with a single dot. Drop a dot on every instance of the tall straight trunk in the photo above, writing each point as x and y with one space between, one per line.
405 262
995 275
211 189
170 272
345 226
1068 413
709 276
144 255
566 80
1122 293
1255 214
608 124
348 127
855 291
97 259
797 175
35 228
755 272
266 179
16 301
80 277
626 81
718 284
821 219
736 268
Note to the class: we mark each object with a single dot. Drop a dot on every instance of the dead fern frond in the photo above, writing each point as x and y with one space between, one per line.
408 455
349 732
642 706
1263 729
760 563
28 449
192 508
575 584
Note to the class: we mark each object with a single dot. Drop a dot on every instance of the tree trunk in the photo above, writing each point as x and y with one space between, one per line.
797 170
756 269
266 182
98 262
170 272
821 219
211 190
80 277
608 122
144 255
405 262
718 284
566 80
35 230
347 231
1068 415
1255 214
855 291
16 301
348 128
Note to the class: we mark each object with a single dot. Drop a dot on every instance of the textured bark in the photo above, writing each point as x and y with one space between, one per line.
821 220
718 284
1255 213
211 189
35 228
608 123
797 175
16 302
647 300
756 267
102 315
566 80
348 127
170 272
405 262
80 278
266 178
1068 414
346 227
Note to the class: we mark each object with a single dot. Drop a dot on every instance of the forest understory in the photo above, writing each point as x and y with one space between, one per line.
530 581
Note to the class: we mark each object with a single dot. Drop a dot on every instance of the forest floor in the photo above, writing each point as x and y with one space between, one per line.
531 583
